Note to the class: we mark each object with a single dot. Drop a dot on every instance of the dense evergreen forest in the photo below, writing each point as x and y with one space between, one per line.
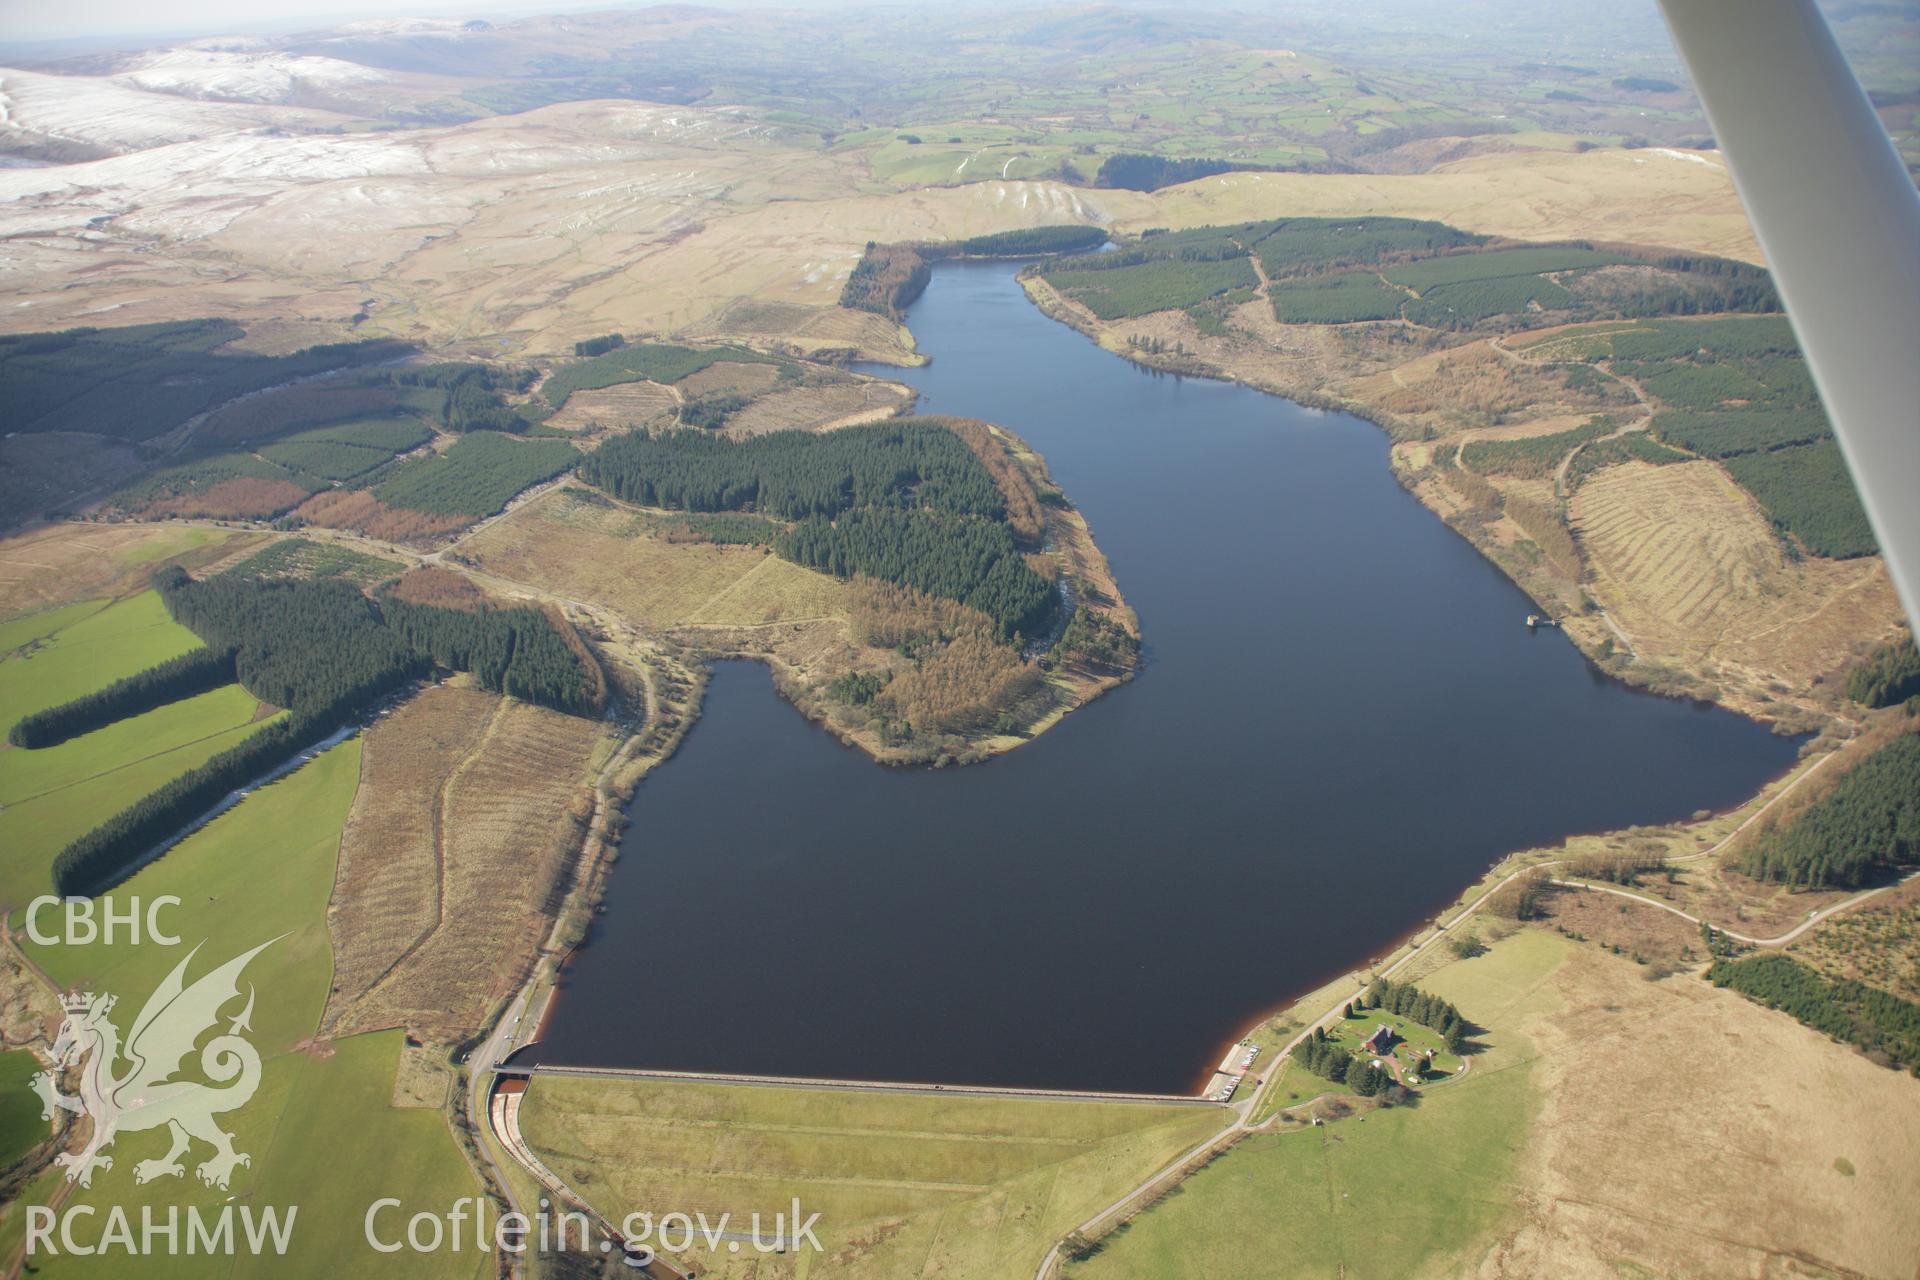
322 648
1808 493
1440 277
906 502
797 474
1311 246
1098 641
601 345
1736 390
324 651
1027 241
710 413
476 477
1733 389
170 681
513 651
1132 171
456 395
144 380
1885 1026
473 404
962 558
317 648
1869 822
1889 676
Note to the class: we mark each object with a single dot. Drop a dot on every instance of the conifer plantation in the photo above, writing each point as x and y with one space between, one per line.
1868 823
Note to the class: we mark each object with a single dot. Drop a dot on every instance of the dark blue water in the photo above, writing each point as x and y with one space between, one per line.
1343 720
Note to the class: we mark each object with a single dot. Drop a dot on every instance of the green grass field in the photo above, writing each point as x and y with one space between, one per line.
1296 1085
85 647
1384 1192
57 794
21 1127
177 542
262 869
322 1132
38 774
51 796
908 1184
34 626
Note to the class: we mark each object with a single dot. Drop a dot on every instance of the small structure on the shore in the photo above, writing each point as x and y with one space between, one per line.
1535 620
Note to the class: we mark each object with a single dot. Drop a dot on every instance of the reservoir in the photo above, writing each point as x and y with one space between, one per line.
1342 721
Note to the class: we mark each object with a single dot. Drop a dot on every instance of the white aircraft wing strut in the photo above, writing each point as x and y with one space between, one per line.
1839 221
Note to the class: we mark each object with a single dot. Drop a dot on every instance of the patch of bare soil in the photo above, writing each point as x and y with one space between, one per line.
245 498
429 584
359 511
1476 386
63 563
423 1078
584 546
29 1012
819 405
387 886
616 408
1693 572
1657 940
729 378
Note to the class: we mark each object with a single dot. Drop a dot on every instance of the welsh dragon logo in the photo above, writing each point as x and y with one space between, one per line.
145 1095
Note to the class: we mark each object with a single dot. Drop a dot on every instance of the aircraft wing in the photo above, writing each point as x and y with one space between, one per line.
1839 221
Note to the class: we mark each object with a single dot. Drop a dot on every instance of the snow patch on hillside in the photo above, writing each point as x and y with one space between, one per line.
1685 155
226 76
103 113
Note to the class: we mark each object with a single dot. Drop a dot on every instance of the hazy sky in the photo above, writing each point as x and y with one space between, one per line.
38 20
41 20
34 21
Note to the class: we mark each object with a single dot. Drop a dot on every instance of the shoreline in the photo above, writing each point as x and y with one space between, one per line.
1396 952
1591 632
